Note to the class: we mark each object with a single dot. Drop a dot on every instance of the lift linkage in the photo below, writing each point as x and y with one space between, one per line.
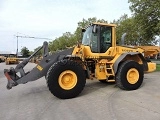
11 74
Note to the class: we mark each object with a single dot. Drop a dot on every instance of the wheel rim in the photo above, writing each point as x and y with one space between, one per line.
67 80
132 76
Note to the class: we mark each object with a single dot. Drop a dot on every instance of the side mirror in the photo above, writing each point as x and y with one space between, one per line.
82 33
94 29
83 30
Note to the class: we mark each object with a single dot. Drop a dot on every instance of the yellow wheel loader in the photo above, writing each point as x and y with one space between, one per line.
2 59
151 51
11 59
97 57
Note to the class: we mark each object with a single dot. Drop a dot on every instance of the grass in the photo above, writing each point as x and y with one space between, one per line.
158 67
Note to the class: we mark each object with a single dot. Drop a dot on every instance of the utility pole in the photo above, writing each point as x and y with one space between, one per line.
17 44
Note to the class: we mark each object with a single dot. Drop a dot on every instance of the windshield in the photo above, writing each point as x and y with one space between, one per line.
87 36
12 55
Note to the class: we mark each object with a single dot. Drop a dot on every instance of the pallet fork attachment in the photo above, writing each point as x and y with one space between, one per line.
11 74
38 71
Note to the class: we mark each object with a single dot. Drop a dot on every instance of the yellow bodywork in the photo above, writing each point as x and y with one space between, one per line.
132 76
150 51
151 67
109 58
11 59
100 71
2 58
104 61
67 80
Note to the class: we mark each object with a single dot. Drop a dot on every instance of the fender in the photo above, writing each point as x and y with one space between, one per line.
115 65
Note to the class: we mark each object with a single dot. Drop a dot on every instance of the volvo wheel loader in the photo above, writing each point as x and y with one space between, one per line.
2 59
96 57
12 59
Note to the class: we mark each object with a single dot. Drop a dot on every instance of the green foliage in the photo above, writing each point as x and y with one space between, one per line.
141 28
84 24
39 53
30 52
68 39
158 67
25 52
126 24
147 17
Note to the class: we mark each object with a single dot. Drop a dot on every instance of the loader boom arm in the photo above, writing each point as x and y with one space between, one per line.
11 73
37 72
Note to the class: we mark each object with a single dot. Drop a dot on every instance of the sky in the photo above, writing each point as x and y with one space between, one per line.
50 19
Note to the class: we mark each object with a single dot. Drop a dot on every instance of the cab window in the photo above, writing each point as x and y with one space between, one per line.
105 38
94 42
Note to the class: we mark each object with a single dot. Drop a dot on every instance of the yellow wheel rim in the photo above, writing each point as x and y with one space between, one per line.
132 76
67 80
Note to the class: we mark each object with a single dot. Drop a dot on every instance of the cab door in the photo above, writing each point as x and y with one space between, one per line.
105 38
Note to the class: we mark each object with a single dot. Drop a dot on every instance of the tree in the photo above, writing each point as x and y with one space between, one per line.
127 25
25 52
30 52
84 24
147 16
39 53
68 39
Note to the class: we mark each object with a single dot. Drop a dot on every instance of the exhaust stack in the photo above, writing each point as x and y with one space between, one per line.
122 38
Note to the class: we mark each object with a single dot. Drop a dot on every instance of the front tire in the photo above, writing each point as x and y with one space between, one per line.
129 75
66 79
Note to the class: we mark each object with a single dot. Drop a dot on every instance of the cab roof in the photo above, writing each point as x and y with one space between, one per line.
105 24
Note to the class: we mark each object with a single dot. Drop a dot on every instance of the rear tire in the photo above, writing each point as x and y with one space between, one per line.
129 75
66 79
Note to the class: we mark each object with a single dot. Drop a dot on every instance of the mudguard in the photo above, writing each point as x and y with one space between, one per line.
115 66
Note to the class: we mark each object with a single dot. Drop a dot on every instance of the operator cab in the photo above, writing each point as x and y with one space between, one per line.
98 37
